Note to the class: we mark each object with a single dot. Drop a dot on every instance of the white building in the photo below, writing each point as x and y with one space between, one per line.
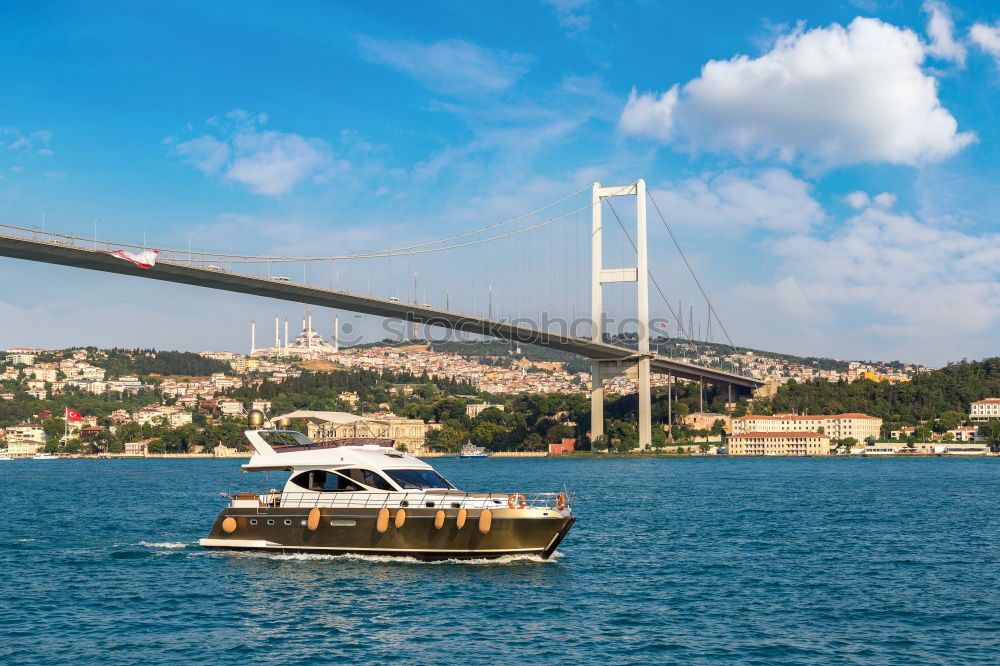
985 410
125 385
25 440
44 374
834 426
18 357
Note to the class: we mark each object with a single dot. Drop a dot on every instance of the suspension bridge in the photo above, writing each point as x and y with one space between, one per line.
520 280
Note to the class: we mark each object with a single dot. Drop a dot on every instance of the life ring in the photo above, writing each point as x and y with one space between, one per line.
560 502
516 501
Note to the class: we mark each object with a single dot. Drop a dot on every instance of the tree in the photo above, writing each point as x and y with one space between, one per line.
599 443
447 438
990 433
949 421
534 442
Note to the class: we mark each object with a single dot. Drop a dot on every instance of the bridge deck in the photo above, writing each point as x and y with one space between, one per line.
55 252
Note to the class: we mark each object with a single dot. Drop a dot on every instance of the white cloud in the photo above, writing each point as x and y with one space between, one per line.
861 200
452 66
648 115
858 199
941 30
885 200
572 14
772 200
987 37
830 95
910 289
14 140
266 162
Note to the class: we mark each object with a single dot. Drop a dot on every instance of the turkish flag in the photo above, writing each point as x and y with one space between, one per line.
145 259
73 415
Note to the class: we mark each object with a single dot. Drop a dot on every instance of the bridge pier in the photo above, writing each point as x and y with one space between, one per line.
596 401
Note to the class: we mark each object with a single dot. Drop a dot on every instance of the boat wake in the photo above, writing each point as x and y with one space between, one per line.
166 544
390 559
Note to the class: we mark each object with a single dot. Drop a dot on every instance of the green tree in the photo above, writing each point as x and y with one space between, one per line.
990 433
949 421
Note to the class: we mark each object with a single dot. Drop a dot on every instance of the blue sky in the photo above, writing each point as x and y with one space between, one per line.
831 168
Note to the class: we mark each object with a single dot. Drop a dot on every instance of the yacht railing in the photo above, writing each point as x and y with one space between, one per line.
429 499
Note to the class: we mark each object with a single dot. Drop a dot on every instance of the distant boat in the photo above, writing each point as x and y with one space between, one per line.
5 455
44 456
471 451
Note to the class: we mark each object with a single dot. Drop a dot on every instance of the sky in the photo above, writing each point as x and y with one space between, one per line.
830 168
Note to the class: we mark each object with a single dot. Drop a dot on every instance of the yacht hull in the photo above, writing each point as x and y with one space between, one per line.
534 532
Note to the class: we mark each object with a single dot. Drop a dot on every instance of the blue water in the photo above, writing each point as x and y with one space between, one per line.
699 561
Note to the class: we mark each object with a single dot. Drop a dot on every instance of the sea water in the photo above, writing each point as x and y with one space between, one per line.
686 561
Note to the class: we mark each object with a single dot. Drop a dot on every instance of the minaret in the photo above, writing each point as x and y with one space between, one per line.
309 329
253 336
336 332
277 336
286 334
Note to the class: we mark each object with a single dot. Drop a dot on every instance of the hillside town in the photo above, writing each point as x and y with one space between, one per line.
149 408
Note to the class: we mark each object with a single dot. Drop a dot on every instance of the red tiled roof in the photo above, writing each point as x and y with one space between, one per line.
778 435
797 417
988 401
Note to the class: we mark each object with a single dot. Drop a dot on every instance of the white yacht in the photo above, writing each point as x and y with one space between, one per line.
470 450
41 455
363 496
5 454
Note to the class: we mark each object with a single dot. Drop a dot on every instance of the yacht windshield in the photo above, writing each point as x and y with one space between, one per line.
416 479
286 439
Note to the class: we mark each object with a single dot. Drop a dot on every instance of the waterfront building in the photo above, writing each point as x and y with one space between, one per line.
789 443
882 449
964 449
985 410
25 440
138 449
565 445
834 426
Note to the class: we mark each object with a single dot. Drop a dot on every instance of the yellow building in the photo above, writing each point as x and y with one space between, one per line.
779 444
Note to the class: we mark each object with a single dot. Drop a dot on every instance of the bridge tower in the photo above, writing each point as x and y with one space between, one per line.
638 366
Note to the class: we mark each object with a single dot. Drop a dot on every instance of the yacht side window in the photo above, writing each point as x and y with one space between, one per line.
322 481
374 480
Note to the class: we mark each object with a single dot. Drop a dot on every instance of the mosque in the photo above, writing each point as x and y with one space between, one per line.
308 344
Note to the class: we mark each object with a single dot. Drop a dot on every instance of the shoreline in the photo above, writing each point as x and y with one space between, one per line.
531 455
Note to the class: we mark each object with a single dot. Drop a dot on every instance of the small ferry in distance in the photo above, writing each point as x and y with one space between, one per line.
5 454
364 496
44 456
472 451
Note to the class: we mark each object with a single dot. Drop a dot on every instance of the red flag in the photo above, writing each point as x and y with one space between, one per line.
73 415
145 259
